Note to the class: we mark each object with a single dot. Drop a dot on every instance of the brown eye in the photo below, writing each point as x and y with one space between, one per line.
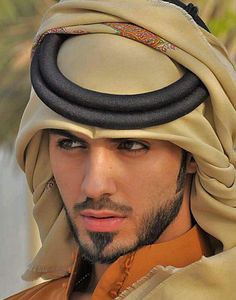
132 145
69 144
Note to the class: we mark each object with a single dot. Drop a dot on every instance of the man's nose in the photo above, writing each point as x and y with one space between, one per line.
99 179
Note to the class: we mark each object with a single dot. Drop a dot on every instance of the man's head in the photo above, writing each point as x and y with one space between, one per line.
119 194
120 59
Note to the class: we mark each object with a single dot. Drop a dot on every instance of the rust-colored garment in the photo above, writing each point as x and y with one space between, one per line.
129 268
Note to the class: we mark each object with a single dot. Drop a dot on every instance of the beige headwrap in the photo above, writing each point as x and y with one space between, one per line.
208 132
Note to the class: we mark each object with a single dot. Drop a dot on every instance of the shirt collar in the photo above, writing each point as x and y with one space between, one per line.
129 268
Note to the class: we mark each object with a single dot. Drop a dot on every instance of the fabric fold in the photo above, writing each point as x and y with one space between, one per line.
208 132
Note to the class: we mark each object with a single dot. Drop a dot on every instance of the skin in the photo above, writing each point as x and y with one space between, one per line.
139 175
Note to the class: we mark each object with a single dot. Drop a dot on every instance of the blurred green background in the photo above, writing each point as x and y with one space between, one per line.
19 21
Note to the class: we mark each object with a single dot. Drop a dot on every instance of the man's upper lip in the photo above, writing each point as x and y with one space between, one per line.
101 213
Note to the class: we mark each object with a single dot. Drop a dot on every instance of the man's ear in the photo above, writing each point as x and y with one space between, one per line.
191 165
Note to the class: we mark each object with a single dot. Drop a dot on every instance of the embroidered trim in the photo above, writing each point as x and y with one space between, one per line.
127 30
61 30
114 292
141 35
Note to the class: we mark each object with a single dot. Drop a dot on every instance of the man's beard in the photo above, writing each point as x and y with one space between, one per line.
152 225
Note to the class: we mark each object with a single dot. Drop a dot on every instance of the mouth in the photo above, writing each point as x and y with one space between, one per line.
102 220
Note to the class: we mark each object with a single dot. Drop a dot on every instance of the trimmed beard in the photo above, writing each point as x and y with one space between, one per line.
152 225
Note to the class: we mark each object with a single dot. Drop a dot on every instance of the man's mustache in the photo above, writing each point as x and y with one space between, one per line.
102 203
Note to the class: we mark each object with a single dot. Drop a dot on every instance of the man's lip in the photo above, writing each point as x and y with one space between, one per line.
101 214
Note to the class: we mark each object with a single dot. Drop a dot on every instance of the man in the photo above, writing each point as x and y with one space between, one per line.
128 148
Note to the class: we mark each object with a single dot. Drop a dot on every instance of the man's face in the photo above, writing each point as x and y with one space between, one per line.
119 194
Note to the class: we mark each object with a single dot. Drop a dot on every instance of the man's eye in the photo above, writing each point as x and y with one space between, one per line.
69 144
131 145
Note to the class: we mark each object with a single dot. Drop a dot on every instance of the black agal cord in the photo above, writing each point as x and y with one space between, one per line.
109 110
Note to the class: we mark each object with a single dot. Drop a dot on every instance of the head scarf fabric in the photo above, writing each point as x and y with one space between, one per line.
208 132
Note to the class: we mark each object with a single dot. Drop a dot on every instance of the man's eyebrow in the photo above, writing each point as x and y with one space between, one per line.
64 133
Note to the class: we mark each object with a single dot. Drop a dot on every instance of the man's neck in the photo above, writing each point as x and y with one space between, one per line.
97 272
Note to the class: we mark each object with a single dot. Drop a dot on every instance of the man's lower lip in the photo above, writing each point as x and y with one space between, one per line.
102 224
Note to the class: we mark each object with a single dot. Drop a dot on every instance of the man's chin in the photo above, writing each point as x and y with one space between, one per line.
99 258
103 249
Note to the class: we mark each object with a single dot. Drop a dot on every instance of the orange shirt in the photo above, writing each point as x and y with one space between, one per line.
128 269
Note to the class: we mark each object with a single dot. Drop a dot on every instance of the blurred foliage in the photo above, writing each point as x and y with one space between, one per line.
19 21
220 17
223 24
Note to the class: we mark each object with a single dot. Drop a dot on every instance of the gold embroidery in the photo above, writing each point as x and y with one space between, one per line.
141 35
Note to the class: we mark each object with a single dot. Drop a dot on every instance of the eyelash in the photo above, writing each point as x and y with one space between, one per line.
66 144
63 144
143 146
